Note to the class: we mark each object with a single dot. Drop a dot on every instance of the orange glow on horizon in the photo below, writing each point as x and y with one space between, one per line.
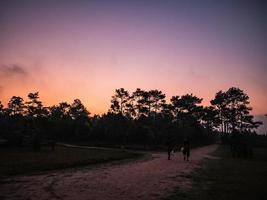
87 50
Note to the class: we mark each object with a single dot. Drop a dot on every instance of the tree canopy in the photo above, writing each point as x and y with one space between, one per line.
141 117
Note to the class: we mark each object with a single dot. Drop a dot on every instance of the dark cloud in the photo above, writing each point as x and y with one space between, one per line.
11 70
8 72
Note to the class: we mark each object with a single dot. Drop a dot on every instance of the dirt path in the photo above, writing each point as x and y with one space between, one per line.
143 180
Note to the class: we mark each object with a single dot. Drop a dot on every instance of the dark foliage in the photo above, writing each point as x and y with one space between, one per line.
142 119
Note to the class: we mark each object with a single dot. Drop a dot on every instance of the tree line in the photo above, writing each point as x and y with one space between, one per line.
139 118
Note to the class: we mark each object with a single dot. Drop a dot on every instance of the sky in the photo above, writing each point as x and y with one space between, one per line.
87 49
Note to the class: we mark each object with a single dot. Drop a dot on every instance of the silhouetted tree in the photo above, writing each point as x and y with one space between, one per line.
61 111
1 109
16 106
138 104
35 108
187 114
130 111
61 121
119 101
157 100
145 102
37 116
80 115
142 118
234 112
210 118
78 111
186 107
237 107
2 119
220 103
15 114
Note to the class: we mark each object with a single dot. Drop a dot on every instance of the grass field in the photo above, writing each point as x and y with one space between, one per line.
229 179
22 161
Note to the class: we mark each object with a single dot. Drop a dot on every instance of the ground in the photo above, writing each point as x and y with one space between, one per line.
228 178
19 161
144 179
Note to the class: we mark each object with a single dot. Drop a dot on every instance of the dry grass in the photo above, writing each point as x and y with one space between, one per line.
23 161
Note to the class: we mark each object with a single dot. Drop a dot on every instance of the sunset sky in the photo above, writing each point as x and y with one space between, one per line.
87 49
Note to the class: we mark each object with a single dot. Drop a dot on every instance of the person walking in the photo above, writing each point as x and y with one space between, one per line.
186 149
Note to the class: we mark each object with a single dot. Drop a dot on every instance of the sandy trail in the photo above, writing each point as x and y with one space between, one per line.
142 180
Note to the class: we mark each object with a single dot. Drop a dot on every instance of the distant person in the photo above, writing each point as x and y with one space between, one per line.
186 149
169 148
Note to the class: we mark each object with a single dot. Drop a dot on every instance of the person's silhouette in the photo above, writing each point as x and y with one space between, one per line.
169 147
186 149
